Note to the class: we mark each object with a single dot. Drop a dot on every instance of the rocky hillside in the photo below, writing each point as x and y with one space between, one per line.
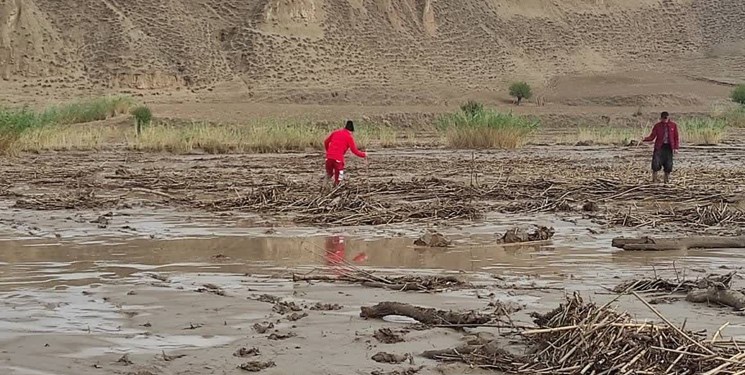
378 51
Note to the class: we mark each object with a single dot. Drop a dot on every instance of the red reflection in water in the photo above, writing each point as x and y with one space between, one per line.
336 253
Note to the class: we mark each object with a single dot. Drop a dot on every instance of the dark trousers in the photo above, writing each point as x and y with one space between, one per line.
662 159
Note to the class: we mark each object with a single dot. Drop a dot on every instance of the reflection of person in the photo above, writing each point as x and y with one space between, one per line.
336 145
335 250
336 253
666 142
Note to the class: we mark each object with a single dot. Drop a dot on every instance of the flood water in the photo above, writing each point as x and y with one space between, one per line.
49 286
573 254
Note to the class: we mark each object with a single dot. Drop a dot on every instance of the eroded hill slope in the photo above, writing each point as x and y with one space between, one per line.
381 51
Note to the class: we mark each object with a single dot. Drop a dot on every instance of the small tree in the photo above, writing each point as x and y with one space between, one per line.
520 91
143 115
472 108
738 94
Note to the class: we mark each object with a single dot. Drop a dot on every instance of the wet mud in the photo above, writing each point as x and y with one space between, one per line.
132 264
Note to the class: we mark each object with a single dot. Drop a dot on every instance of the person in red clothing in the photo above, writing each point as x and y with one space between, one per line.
666 143
336 145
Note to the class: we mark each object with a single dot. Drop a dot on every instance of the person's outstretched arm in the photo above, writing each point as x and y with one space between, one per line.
653 135
353 147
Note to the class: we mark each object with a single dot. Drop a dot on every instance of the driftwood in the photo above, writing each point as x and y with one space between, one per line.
661 244
584 338
400 283
718 295
428 316
674 286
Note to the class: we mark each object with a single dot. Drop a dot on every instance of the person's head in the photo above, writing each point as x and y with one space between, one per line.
349 126
664 116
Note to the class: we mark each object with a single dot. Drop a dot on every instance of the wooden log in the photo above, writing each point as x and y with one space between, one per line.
727 297
661 244
424 315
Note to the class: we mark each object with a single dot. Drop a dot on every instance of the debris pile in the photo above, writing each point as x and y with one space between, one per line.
400 283
715 289
527 234
583 338
432 239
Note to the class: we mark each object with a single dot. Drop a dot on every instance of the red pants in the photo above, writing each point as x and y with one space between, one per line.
334 169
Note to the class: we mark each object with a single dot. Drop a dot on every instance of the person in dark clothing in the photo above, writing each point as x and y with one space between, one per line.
666 143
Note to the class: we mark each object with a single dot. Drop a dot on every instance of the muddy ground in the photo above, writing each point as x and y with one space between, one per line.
163 258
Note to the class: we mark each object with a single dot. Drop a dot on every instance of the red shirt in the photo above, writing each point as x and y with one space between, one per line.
337 144
658 135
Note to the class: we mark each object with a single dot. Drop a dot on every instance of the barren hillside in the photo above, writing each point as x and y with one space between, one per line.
372 51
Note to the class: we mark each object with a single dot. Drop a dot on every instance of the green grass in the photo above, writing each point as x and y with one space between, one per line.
485 129
702 130
14 122
264 136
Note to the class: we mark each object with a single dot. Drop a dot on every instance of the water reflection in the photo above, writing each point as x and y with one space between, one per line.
36 264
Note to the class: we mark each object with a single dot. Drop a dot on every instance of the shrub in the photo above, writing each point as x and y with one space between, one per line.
738 94
520 91
488 129
472 108
143 116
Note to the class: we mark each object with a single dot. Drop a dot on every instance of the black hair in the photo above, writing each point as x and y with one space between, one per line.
349 125
664 115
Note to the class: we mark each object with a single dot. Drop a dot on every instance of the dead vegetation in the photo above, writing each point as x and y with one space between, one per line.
400 283
584 338
458 191
713 289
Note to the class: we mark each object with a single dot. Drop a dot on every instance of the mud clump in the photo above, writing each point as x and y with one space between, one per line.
295 316
326 307
590 207
406 371
213 289
256 366
432 239
388 336
383 357
281 336
286 307
245 352
268 298
529 234
262 328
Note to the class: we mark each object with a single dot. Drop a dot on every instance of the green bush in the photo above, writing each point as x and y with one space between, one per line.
738 94
143 116
487 129
15 121
520 91
472 108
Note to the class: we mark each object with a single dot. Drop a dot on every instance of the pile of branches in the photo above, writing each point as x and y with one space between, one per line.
76 200
583 338
659 284
713 289
400 283
351 205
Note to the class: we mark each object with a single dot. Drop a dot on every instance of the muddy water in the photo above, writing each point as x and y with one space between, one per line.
574 254
77 294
